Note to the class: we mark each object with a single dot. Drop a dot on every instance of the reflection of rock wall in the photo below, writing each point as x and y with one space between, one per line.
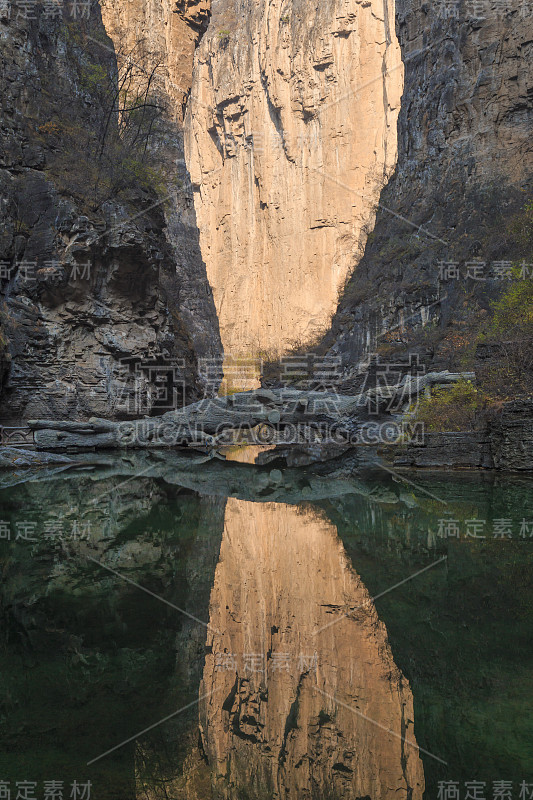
100 644
284 722
290 135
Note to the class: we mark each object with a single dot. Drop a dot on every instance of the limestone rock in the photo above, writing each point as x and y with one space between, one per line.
15 457
512 436
290 136
465 162
505 444
168 31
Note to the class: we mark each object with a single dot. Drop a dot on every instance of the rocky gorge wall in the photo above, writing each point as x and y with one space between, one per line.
105 301
292 131
290 136
168 33
465 161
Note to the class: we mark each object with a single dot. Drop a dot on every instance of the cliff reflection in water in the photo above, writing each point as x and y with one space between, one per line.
90 662
306 702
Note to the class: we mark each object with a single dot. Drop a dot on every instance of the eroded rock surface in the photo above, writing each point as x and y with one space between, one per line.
90 287
290 136
168 32
465 161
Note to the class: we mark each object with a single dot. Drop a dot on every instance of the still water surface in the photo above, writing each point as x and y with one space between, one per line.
222 631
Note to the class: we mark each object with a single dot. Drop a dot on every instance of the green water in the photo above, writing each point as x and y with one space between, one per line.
89 660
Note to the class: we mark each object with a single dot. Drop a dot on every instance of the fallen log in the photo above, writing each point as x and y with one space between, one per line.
399 396
322 415
205 423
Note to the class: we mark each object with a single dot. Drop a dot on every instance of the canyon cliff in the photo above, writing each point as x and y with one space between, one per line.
106 308
168 32
290 136
300 133
457 197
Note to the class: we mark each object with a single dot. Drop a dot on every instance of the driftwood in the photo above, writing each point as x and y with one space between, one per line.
399 396
276 416
209 423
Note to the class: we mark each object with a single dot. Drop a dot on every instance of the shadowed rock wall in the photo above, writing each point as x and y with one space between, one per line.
90 286
465 161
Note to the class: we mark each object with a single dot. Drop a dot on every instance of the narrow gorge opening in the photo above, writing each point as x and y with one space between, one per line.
290 134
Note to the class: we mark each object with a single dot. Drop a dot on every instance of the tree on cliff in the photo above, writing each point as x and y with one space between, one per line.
132 109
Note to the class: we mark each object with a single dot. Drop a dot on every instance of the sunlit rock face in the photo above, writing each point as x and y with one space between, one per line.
290 136
301 701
